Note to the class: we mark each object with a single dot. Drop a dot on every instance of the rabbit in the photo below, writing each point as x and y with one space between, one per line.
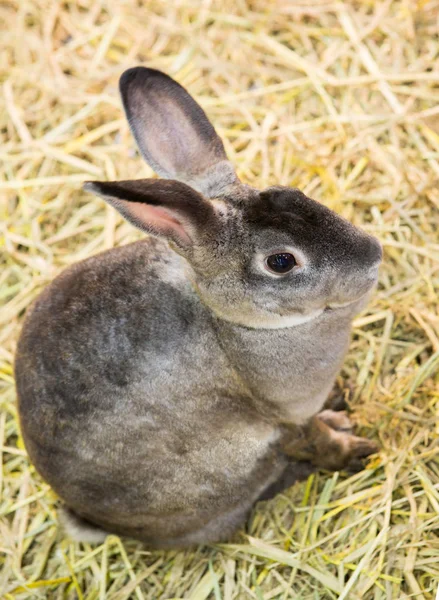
166 386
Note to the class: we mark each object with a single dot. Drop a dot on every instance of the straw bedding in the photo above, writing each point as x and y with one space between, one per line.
339 99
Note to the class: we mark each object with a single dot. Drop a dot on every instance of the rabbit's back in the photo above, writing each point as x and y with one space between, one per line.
87 337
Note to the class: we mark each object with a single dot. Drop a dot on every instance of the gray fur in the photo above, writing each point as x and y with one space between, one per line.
155 380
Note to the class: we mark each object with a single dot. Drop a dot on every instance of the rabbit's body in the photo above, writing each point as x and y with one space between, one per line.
117 371
155 385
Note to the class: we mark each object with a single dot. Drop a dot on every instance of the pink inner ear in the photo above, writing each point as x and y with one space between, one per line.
157 219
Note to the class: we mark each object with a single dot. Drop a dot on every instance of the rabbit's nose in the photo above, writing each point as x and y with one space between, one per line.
375 254
370 253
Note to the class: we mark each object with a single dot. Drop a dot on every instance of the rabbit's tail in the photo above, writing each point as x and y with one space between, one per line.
78 529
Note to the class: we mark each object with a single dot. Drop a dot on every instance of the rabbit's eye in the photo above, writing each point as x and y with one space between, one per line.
281 263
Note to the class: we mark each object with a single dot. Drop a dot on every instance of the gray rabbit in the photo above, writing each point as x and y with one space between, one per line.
167 385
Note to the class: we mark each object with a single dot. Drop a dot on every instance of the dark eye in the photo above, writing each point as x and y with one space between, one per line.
281 263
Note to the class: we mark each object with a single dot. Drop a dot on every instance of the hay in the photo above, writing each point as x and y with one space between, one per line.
338 99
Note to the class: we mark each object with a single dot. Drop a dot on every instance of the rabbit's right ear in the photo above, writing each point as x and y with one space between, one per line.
173 132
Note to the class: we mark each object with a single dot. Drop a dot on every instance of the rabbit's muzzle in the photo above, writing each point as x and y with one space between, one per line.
358 276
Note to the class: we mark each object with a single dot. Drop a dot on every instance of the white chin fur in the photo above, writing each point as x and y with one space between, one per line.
276 321
335 305
78 529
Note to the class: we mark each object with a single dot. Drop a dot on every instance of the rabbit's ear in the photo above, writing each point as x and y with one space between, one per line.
173 132
168 209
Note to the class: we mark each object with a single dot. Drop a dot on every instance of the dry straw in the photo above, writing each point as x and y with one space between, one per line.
337 98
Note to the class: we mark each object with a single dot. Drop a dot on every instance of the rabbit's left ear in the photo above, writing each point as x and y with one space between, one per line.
173 133
166 209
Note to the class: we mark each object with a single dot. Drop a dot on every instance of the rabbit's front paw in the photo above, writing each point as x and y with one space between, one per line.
327 442
335 446
359 449
337 419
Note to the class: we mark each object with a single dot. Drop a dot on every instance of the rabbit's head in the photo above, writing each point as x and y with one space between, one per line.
265 259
